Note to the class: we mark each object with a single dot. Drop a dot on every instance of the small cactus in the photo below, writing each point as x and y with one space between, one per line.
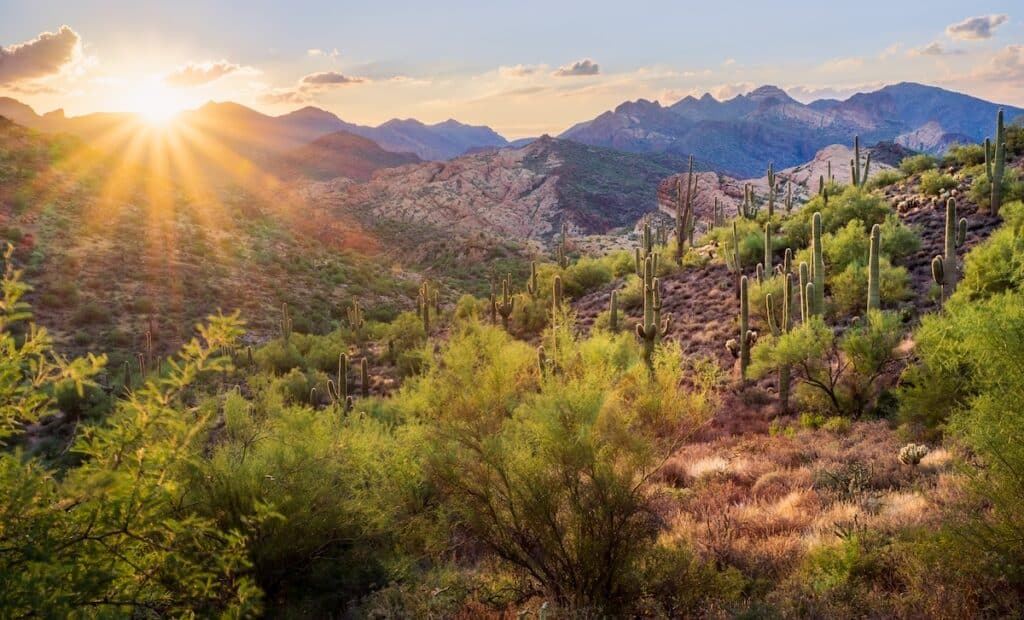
912 453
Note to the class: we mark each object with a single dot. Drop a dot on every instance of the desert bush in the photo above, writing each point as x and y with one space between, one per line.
750 234
916 164
966 154
404 338
90 313
852 203
279 356
585 275
840 375
997 265
850 287
934 183
885 178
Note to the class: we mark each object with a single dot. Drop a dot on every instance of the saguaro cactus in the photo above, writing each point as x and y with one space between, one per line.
745 333
653 327
507 303
874 285
735 266
996 198
613 312
286 323
561 255
355 316
817 266
768 246
771 197
364 377
423 306
531 285
945 271
789 196
805 297
782 327
556 294
684 211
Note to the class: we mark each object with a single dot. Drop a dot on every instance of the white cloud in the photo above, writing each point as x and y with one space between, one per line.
935 48
585 66
199 73
975 28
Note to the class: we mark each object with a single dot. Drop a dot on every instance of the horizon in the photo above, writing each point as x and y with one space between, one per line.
473 64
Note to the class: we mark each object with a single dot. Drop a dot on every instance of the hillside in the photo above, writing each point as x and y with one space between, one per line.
340 154
739 135
523 194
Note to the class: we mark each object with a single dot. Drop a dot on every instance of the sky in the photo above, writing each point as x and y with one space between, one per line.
524 68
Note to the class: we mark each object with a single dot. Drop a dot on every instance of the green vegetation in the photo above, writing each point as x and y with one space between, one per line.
916 164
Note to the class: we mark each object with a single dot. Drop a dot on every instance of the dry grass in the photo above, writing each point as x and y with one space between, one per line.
760 502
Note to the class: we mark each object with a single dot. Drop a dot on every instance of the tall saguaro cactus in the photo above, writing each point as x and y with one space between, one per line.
684 211
507 303
735 265
745 334
561 252
653 327
286 323
771 197
805 298
945 271
768 254
782 327
531 285
996 198
817 266
613 312
423 305
338 390
874 285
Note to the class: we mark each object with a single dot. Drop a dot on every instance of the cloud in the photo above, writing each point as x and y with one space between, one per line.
934 48
309 86
839 65
199 73
517 71
811 93
578 68
328 79
890 51
43 56
316 52
975 28
1006 66
728 62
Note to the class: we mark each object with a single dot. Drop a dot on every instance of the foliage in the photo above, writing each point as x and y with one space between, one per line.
885 178
850 287
981 189
852 203
934 183
916 164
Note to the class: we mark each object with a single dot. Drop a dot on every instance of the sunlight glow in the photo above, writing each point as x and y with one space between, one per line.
155 102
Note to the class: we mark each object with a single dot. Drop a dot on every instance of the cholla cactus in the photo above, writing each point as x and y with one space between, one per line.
912 453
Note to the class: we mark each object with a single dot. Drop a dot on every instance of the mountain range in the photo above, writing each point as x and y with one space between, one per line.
739 136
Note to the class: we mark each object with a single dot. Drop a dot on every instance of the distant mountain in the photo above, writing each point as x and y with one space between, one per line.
521 194
433 142
341 154
256 135
739 136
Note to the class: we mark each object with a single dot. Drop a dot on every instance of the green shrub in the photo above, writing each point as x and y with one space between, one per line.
585 275
852 203
279 356
916 164
90 313
998 264
934 183
966 154
885 178
404 338
850 287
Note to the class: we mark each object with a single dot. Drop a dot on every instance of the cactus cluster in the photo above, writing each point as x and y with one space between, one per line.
424 300
355 316
653 326
912 453
747 209
995 164
338 389
945 271
860 178
684 211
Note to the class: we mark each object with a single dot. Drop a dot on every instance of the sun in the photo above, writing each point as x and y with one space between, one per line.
155 102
